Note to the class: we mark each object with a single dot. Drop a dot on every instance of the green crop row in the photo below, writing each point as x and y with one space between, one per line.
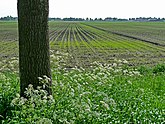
91 44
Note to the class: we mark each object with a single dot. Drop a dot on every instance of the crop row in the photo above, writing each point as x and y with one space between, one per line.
153 32
87 44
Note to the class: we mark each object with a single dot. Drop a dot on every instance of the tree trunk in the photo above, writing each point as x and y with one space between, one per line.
34 59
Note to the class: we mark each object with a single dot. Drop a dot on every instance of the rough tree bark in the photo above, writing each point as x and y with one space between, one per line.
34 59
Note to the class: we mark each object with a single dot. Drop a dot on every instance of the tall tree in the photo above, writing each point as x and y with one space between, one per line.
34 59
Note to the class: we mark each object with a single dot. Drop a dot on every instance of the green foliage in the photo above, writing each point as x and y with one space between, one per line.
36 108
105 93
9 86
159 68
144 70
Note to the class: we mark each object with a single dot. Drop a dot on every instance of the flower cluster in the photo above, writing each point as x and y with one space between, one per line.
37 101
9 65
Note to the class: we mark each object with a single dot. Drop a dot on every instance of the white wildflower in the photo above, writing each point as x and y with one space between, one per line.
44 86
105 104
45 97
129 82
50 97
125 61
22 101
125 71
136 72
45 76
114 65
38 87
119 61
40 78
30 86
17 95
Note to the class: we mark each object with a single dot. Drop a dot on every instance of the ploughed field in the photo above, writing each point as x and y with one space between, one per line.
86 42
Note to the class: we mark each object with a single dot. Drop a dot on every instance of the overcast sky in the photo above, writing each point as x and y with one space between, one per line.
95 8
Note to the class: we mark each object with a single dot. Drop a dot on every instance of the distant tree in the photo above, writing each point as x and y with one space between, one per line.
108 19
73 19
91 19
114 19
34 59
100 19
55 19
95 19
8 18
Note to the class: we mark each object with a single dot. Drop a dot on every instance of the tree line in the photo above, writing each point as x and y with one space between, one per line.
9 18
139 19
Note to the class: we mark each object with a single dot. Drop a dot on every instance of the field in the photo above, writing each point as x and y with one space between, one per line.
86 42
103 42
102 72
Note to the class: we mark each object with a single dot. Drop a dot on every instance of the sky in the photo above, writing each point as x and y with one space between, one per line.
95 8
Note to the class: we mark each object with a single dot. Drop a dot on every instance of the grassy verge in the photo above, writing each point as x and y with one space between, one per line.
109 93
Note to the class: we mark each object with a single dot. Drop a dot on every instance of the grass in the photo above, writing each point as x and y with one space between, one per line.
103 93
92 81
